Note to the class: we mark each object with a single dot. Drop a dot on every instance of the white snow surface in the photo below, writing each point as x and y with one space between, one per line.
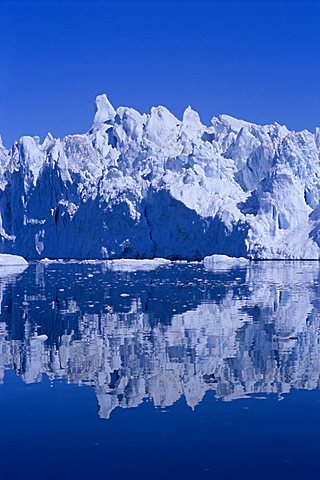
151 185
11 260
133 265
213 262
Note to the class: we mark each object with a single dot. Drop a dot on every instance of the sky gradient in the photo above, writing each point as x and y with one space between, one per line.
256 60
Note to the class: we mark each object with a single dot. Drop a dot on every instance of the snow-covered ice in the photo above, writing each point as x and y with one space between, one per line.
10 266
151 185
132 265
11 260
218 261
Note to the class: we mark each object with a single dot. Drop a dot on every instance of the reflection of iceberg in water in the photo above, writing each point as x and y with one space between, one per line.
178 331
8 276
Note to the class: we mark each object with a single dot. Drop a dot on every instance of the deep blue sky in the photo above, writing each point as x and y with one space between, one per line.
257 60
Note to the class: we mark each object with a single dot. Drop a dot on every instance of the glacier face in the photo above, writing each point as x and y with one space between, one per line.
150 185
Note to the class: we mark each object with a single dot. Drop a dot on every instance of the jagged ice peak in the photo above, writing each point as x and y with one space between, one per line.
151 185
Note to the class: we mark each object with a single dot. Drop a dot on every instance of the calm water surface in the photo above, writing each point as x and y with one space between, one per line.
175 372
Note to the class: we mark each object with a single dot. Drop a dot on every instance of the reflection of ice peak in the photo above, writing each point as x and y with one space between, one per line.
254 330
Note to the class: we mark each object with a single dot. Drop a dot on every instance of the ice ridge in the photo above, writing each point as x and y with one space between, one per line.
151 185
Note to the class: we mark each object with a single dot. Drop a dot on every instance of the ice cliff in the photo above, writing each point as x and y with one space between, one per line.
151 185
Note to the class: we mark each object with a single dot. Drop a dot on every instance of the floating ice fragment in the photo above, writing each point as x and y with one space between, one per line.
11 260
223 261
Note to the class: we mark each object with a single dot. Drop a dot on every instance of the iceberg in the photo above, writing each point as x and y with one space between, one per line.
144 186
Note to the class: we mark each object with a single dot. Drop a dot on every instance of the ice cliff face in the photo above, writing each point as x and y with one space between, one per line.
150 185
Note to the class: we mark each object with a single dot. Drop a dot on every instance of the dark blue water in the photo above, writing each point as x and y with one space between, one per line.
172 373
